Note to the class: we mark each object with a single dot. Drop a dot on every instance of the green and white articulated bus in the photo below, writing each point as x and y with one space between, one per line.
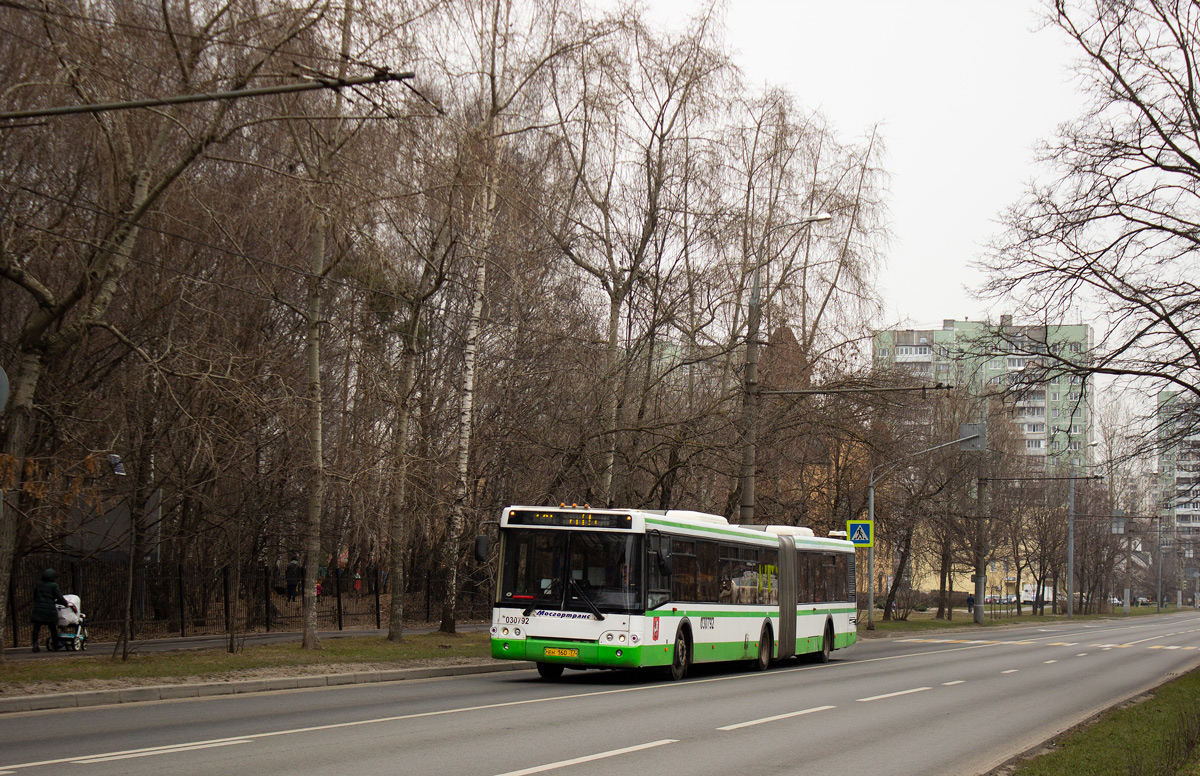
629 588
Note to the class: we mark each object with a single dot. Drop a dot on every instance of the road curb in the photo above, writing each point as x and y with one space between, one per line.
72 700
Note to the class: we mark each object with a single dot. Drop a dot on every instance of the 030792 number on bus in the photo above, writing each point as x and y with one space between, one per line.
516 620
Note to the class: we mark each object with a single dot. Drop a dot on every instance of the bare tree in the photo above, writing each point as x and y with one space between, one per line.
136 155
623 113
1112 232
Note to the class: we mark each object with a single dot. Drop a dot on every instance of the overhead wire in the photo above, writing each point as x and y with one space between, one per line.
303 274
259 142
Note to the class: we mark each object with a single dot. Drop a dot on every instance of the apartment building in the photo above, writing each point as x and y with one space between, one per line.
1023 364
1179 466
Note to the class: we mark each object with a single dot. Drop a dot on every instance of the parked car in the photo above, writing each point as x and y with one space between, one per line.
1143 601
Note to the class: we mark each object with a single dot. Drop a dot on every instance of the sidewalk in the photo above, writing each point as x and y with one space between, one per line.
71 700
134 694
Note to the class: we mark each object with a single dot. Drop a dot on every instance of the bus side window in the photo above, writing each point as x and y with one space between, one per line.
816 578
747 576
829 576
708 586
804 585
730 574
840 570
683 580
768 582
658 582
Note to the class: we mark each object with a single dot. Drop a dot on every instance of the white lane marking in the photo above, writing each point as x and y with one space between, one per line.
1048 662
776 717
1082 654
589 758
956 681
1010 671
1143 641
151 752
893 694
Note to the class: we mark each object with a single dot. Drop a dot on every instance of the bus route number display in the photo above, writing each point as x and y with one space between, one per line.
569 519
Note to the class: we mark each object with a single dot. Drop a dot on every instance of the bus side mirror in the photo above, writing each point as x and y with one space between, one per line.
481 548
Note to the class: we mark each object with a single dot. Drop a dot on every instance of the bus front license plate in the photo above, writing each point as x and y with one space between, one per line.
555 652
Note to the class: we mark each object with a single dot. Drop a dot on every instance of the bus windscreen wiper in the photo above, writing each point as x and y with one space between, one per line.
590 604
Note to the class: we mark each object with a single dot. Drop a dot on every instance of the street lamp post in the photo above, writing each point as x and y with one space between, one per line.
1071 539
978 433
750 406
1158 565
1071 548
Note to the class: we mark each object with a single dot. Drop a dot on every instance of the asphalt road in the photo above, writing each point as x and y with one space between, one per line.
898 706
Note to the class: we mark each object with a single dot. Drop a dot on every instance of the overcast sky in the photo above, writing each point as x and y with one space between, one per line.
962 91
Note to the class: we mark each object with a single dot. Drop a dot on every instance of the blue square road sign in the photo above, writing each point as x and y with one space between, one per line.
861 532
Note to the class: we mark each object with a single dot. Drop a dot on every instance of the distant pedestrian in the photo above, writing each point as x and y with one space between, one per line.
294 576
970 603
45 595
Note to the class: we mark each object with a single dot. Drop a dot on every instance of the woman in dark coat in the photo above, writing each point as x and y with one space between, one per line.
45 595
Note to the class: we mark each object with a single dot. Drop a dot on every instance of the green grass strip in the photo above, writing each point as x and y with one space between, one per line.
1157 736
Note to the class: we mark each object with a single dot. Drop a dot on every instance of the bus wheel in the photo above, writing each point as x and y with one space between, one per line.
764 649
683 655
550 671
826 645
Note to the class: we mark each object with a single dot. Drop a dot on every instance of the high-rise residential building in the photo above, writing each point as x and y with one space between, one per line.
1027 365
1179 466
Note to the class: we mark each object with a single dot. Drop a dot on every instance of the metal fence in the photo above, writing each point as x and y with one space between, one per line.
171 600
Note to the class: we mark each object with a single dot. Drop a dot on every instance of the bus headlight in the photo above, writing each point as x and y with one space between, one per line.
504 631
621 638
495 630
634 638
608 637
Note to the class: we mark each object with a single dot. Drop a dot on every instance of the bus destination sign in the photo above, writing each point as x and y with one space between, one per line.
569 519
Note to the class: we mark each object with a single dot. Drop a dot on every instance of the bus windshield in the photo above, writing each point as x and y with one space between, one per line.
571 570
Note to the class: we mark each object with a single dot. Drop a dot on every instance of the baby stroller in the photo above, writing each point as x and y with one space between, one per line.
72 627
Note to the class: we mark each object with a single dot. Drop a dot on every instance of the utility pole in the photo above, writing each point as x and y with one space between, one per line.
1158 567
1071 548
750 401
1120 528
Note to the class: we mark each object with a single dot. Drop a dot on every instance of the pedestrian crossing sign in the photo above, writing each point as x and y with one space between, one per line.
861 532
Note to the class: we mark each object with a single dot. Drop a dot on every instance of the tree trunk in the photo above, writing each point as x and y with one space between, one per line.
316 481
450 557
316 484
901 567
399 519
610 407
